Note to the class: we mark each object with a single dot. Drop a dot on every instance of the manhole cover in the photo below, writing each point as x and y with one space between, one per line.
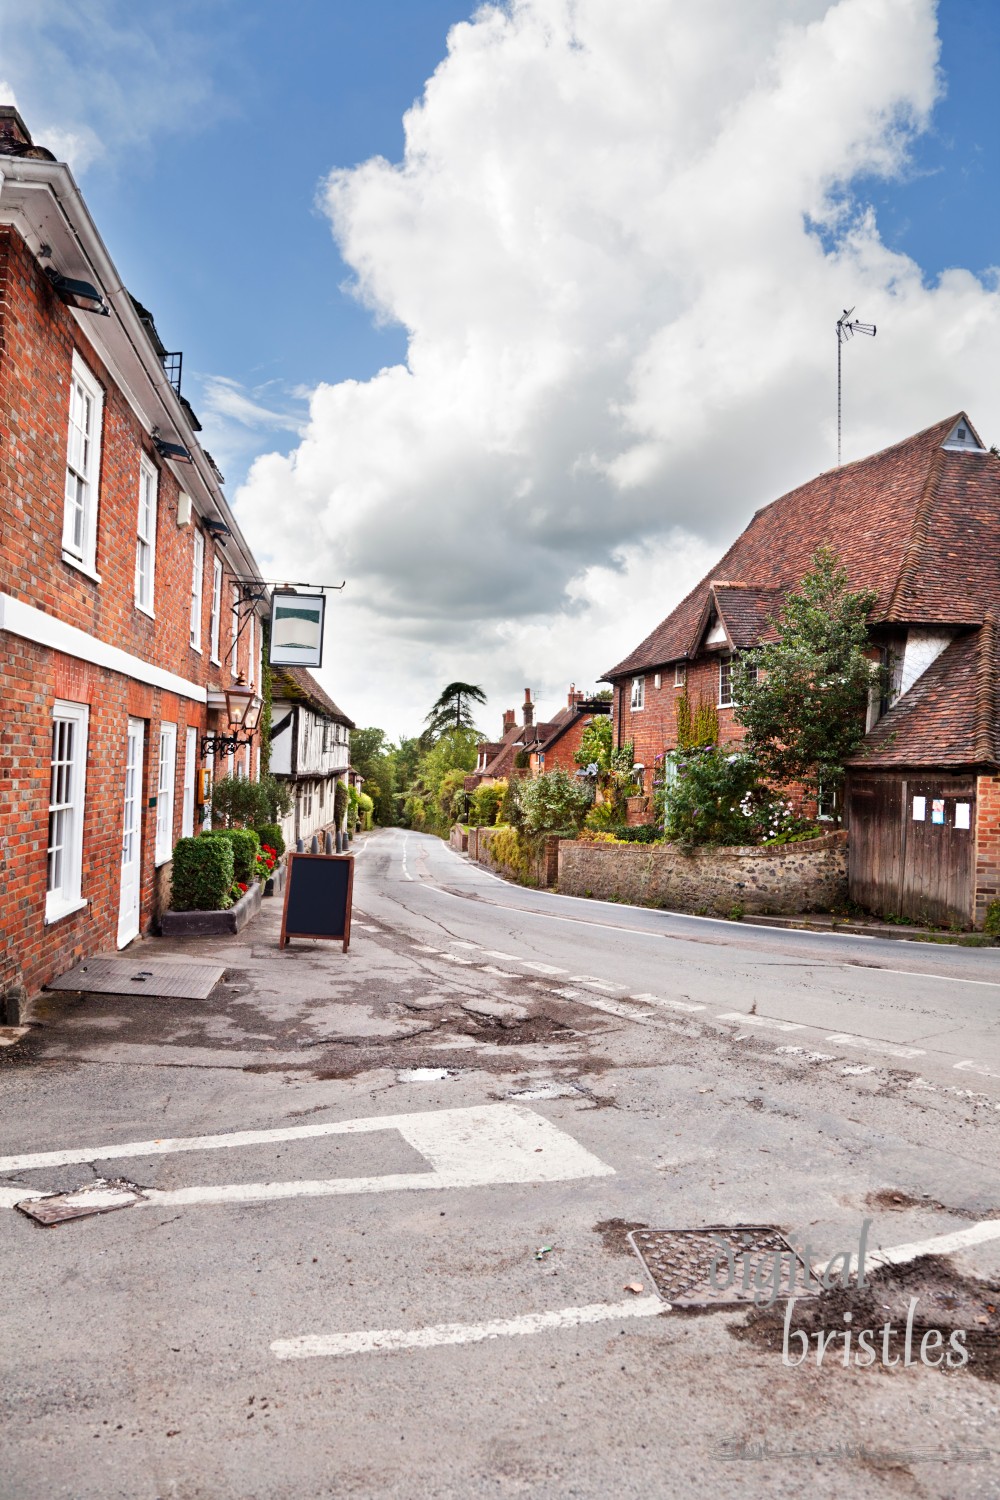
100 1197
177 980
722 1265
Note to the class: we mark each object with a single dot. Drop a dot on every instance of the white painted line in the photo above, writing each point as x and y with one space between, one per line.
766 1021
540 968
423 948
854 1071
453 958
406 873
458 943
495 953
806 1055
11 1196
11 1035
888 1049
597 984
474 1147
974 1067
499 973
670 1004
370 1341
940 1244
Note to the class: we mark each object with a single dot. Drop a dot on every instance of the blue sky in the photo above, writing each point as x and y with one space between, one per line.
562 283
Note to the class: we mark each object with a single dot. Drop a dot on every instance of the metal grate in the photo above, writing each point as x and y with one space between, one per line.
157 976
721 1265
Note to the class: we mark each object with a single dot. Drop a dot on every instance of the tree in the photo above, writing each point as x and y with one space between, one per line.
802 698
452 709
554 801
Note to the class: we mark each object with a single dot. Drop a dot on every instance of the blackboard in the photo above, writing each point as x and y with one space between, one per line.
318 893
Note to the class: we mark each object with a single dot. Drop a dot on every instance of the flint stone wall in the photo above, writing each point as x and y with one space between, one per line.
783 880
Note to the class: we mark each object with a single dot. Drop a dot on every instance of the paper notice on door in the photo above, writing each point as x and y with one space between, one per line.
962 812
919 809
937 809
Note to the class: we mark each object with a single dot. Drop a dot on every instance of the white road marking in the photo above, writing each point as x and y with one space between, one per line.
854 1071
806 1055
453 958
369 1341
489 1143
406 873
458 943
597 984
889 1049
540 968
495 953
423 948
499 973
766 1021
670 1004
974 1067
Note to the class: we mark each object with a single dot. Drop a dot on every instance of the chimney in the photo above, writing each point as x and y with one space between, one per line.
509 717
574 697
528 709
13 131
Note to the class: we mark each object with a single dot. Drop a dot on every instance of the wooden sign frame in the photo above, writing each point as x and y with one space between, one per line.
335 937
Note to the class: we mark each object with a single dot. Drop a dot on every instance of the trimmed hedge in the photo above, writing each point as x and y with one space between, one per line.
641 833
270 833
246 847
202 873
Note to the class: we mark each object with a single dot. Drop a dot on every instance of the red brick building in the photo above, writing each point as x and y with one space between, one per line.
920 524
530 748
129 599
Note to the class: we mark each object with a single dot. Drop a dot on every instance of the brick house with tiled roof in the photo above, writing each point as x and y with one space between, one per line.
919 523
548 746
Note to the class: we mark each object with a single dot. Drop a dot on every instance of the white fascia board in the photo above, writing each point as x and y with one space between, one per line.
48 630
42 201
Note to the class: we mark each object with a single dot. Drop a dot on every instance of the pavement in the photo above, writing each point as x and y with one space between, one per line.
381 1245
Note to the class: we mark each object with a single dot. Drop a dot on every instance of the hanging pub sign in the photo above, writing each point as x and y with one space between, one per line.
297 622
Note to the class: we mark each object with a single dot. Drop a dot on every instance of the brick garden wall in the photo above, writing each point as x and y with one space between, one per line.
987 874
789 878
543 868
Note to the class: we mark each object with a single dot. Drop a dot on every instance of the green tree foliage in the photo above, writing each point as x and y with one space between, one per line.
597 744
376 759
453 707
805 712
487 802
555 802
718 798
455 751
250 803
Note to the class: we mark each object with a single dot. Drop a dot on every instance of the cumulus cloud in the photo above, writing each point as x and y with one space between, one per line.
618 241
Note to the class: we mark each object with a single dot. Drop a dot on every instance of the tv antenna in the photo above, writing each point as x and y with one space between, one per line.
847 327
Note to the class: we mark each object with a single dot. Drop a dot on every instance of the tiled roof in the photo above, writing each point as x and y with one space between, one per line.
746 612
298 685
917 523
503 762
949 715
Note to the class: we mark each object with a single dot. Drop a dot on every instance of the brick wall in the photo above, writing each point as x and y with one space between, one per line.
789 878
38 336
987 856
543 865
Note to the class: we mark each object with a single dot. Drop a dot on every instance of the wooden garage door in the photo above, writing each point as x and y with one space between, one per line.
911 850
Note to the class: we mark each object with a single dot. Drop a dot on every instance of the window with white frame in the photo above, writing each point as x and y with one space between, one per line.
197 573
234 614
725 682
638 693
165 793
190 773
145 547
826 804
216 619
680 674
83 466
307 800
67 788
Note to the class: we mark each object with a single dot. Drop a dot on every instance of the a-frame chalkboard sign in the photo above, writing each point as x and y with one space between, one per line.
318 895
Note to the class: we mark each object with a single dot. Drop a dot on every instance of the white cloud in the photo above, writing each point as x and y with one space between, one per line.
602 244
97 80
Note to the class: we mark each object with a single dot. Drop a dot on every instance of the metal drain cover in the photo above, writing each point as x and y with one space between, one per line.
168 978
721 1265
100 1197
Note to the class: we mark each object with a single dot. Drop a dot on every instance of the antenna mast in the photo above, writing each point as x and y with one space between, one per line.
846 328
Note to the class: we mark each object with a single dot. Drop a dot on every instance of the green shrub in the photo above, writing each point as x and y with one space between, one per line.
642 833
487 802
366 809
601 817
991 923
341 798
554 801
202 873
511 848
270 833
718 798
252 803
246 847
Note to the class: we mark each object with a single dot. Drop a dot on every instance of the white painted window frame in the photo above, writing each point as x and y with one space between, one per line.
83 469
67 802
166 776
637 701
145 540
215 623
725 682
680 674
190 779
197 584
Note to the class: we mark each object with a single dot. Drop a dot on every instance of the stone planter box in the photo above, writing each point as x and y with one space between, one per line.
213 923
275 883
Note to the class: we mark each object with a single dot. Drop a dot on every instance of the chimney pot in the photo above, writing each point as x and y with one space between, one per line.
528 710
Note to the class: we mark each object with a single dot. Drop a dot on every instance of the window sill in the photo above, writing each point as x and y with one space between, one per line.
57 911
162 859
81 567
144 611
196 648
214 661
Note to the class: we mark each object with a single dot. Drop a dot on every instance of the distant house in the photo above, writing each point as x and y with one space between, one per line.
529 749
310 749
919 523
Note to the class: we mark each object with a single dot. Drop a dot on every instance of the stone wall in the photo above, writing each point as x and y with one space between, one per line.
459 839
542 864
788 878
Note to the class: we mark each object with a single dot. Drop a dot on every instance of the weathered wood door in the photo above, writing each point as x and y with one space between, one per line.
911 850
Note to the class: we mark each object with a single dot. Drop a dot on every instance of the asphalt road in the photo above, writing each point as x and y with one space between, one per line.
382 1246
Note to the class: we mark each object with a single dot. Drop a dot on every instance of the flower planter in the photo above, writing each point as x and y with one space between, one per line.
275 882
213 923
